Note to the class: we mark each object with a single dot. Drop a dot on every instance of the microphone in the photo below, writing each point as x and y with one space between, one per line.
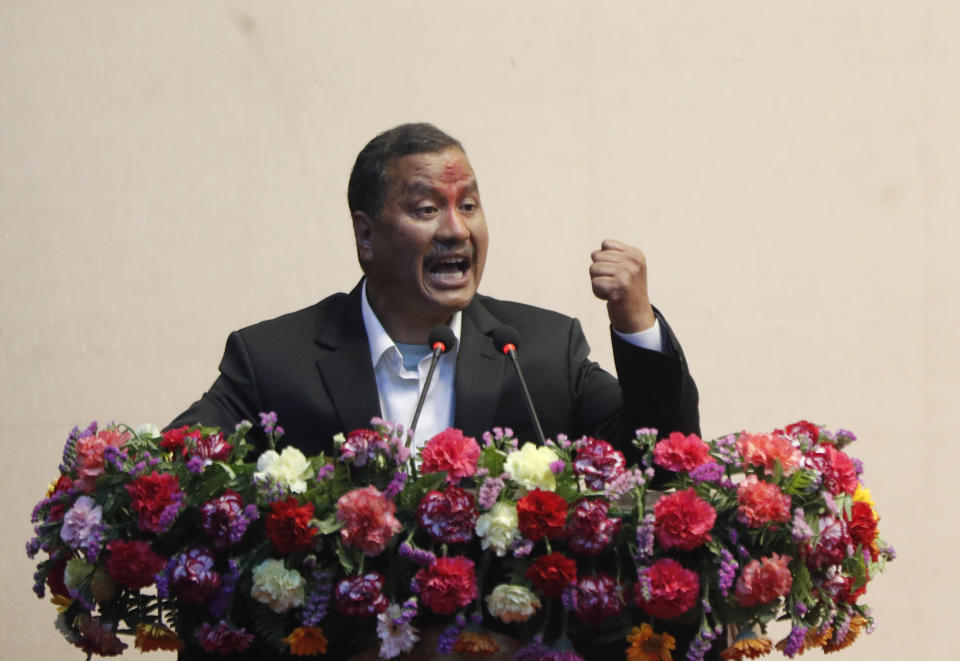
506 339
441 339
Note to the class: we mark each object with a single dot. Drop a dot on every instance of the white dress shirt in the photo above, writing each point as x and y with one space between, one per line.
399 388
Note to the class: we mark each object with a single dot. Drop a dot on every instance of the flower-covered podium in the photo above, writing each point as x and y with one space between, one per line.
176 539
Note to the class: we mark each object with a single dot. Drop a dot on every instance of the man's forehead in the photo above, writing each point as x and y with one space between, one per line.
447 167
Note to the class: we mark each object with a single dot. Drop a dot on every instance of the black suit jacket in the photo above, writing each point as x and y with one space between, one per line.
313 368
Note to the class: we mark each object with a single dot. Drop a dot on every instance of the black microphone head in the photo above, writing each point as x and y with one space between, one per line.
506 335
444 335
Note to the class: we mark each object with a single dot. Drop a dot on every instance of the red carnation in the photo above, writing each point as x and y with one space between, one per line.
552 573
589 530
598 598
804 428
452 452
156 500
213 447
361 596
134 564
449 516
679 452
839 472
683 520
541 514
55 576
448 584
288 525
57 510
862 525
673 589
174 440
598 462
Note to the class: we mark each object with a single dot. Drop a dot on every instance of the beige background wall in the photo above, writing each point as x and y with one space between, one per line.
170 171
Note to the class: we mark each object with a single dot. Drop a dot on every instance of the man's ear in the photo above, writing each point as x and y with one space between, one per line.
363 233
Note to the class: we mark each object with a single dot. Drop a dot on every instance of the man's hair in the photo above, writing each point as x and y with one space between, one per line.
368 180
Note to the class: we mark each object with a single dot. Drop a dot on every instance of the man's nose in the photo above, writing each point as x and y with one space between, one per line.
454 227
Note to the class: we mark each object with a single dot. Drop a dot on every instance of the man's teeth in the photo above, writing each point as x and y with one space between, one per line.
453 268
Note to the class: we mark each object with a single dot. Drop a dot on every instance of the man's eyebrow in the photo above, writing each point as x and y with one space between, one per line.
414 188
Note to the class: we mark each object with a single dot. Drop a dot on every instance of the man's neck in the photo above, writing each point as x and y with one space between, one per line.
402 325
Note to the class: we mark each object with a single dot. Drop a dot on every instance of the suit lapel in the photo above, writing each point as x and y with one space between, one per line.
345 365
479 371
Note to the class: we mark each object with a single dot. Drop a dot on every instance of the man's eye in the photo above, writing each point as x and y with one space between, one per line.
426 210
468 207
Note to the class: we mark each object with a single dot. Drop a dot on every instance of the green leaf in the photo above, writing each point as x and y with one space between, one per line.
328 524
492 459
270 627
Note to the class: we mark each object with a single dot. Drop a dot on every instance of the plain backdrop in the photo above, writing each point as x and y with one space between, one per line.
171 171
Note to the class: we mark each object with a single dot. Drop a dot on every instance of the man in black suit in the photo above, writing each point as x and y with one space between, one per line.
421 240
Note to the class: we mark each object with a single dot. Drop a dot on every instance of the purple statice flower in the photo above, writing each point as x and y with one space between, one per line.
708 472
624 482
221 601
871 623
569 596
222 638
318 598
556 467
80 598
800 608
563 442
396 485
800 530
841 628
225 519
727 573
268 421
701 643
269 489
795 640
116 457
33 548
487 439
325 471
489 492
829 501
448 638
857 466
643 582
415 555
533 651
521 548
726 447
845 437
645 540
162 580
888 552
195 464
83 524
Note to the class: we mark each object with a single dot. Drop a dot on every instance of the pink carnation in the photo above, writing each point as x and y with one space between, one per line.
683 520
681 453
765 450
764 580
839 472
452 452
761 502
90 451
598 462
368 518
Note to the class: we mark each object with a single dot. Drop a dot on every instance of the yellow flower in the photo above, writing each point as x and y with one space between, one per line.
749 646
817 638
862 495
307 641
62 603
645 645
530 467
475 642
276 586
498 528
152 637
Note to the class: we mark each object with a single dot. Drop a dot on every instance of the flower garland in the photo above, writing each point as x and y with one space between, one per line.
176 539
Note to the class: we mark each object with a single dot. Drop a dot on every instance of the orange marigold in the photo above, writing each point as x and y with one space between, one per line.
817 638
306 641
150 637
475 642
857 625
646 645
747 646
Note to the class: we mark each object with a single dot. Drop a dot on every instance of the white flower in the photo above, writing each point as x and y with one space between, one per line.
530 467
289 469
148 430
512 603
276 586
396 635
497 528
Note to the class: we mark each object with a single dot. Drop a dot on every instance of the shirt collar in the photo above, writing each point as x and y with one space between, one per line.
380 341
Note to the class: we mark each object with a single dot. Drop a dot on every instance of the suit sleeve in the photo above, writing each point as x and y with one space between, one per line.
233 397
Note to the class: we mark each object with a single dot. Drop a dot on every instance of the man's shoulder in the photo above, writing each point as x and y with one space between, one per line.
308 321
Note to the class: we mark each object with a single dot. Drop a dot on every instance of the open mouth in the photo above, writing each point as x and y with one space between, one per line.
451 268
